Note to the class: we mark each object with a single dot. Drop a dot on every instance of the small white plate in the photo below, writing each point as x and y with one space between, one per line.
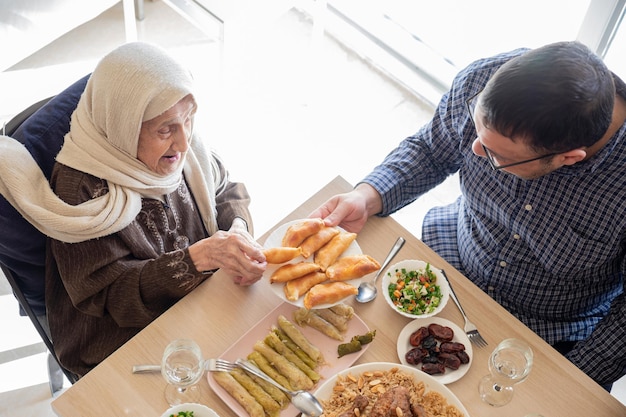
199 410
404 346
274 240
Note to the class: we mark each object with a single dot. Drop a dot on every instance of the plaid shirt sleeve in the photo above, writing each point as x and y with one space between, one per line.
602 355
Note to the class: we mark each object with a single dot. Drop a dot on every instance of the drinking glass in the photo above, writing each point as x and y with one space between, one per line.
509 364
182 366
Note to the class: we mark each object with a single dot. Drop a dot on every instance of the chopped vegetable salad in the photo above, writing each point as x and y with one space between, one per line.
183 414
414 291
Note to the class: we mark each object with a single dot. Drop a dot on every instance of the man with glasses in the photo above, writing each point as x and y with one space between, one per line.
538 138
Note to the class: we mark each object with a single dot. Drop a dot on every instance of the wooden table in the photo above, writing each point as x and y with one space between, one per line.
218 312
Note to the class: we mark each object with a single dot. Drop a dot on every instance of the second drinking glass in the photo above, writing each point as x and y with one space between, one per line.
509 364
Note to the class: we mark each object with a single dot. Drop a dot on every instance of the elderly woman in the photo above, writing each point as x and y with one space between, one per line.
145 213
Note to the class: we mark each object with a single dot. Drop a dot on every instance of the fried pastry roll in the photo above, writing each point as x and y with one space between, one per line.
294 347
298 379
351 267
280 397
330 252
273 341
343 310
260 395
314 242
239 393
306 317
296 288
299 339
281 255
297 232
328 293
337 320
263 364
292 271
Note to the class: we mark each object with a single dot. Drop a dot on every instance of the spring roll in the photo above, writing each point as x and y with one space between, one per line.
294 348
337 320
292 271
330 252
280 397
296 288
352 267
281 255
264 365
306 317
329 293
239 393
298 379
299 339
297 232
263 398
314 242
343 310
273 341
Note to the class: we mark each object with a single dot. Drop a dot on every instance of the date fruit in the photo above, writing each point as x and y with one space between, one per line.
434 349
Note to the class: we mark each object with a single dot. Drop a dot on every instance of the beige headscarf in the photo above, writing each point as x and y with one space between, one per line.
134 83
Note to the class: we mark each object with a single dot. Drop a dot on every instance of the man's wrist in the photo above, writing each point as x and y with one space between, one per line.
373 200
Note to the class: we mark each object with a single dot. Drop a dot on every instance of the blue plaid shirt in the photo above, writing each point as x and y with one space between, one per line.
550 250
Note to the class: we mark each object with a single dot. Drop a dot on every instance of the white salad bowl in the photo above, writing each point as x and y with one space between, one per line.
389 277
199 410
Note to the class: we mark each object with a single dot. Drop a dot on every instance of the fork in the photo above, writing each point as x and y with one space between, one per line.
470 328
210 365
302 400
220 365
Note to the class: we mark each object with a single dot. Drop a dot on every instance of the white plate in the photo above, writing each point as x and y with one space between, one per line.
275 239
415 265
325 391
404 346
199 410
242 347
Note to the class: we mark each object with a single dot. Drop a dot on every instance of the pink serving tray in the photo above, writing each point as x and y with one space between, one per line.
242 347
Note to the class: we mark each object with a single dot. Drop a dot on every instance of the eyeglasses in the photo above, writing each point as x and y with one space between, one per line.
470 103
496 167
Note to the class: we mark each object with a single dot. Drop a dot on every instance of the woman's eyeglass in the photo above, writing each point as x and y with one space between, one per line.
471 104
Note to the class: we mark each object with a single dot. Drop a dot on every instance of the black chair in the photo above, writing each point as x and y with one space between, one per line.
41 128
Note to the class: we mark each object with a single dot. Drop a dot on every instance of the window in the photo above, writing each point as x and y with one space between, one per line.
615 58
432 41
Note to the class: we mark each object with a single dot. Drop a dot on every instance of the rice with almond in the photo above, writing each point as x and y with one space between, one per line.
371 384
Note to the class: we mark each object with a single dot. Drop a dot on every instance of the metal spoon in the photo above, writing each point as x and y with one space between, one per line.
367 290
302 400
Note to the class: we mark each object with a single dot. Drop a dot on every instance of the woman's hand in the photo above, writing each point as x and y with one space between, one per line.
236 252
350 210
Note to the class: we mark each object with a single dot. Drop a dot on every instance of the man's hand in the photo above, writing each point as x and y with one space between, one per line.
350 210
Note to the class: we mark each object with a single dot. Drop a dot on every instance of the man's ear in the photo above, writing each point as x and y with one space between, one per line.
571 157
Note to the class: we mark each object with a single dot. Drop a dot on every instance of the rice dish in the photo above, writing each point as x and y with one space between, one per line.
372 384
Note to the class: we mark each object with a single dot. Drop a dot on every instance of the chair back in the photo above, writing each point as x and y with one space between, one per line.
41 128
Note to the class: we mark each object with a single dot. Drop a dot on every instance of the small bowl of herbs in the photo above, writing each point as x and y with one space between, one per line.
190 410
